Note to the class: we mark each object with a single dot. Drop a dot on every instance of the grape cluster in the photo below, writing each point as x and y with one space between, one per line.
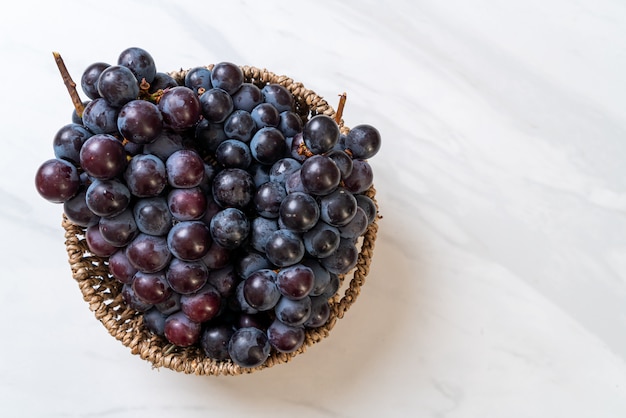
226 217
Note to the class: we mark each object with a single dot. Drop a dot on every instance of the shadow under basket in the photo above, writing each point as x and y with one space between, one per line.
103 292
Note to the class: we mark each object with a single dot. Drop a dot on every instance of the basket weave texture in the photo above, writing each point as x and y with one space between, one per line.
102 292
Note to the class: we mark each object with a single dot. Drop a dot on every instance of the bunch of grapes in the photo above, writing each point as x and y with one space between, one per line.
228 218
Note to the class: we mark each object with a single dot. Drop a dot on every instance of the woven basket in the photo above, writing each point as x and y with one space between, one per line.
103 292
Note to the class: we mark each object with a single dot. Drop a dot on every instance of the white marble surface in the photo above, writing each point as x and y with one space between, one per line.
498 287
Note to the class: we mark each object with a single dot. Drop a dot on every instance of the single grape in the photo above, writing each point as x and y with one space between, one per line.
285 338
97 244
131 300
77 211
233 187
182 331
169 305
239 301
249 347
217 257
180 108
185 169
260 290
68 141
338 208
121 268
267 145
57 180
293 312
321 240
320 175
202 305
225 280
299 212
145 175
208 136
140 121
356 227
283 168
214 341
278 96
320 312
284 248
148 253
259 320
151 287
342 160
119 230
189 240
363 141
227 76
117 85
320 134
268 198
323 277
260 230
368 206
229 228
216 104
152 216
249 262
103 156
140 63
164 145
100 117
234 153
198 78
239 125
154 320
361 177
296 281
332 288
343 259
293 183
187 204
186 276
107 198
247 97
162 81
264 115
89 79
290 124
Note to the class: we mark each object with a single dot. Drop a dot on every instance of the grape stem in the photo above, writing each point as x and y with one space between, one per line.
342 103
69 84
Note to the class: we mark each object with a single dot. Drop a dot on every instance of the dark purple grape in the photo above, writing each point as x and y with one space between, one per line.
267 145
284 248
119 230
140 63
182 331
259 320
216 104
356 227
323 277
296 148
225 280
283 168
227 76
251 261
217 257
264 115
103 156
320 175
169 305
239 125
151 287
198 78
100 117
259 173
249 347
233 187
299 212
293 183
164 145
320 134
295 282
268 198
89 79
57 180
229 228
234 153
187 204
68 141
247 97
260 230
208 136
320 312
162 81
293 312
145 175
117 85
338 208
363 141
342 160
322 240
240 301
97 244
278 96
189 240
186 276
214 341
140 121
202 305
368 206
152 216
131 300
107 197
180 108
333 286
185 169
260 290
77 211
361 177
290 124
148 253
343 259
121 268
285 338
154 320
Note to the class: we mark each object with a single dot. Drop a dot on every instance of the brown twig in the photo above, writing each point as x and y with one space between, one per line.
342 103
69 83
